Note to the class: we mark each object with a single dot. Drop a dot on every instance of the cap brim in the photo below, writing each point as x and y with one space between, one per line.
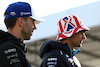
85 28
38 20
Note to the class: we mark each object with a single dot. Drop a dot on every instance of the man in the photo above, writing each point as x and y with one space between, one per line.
61 53
20 23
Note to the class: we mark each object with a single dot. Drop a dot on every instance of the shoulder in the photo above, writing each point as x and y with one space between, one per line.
54 57
53 52
9 54
7 48
48 46
6 45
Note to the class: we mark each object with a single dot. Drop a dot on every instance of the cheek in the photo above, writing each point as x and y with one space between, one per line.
30 26
80 35
27 28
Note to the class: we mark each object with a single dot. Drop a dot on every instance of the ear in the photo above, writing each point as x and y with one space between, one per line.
20 21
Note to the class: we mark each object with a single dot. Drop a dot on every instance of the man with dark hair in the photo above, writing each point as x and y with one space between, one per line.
20 22
61 53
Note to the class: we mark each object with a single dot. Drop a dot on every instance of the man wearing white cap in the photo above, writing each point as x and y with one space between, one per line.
61 53
20 22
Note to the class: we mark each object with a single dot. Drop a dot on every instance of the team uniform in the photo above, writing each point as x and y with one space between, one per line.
55 54
12 51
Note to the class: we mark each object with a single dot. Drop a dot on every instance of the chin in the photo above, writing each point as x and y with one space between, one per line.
27 39
80 45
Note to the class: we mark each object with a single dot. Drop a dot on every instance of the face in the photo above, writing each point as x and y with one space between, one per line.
77 39
28 28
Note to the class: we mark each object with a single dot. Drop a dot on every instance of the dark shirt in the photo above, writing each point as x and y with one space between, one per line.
12 51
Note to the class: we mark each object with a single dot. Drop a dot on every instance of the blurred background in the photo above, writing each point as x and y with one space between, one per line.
52 11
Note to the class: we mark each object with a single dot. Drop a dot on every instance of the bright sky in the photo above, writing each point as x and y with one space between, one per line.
44 7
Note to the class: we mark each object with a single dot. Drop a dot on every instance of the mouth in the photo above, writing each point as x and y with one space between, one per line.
32 33
32 30
81 41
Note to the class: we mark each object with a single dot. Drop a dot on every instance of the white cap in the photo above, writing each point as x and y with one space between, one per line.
38 20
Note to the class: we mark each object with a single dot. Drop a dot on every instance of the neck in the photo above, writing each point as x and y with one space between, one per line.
71 46
67 41
16 33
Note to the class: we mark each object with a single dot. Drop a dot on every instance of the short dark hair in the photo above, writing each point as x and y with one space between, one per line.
10 22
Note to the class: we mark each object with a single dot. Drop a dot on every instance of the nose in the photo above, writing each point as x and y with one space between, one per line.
84 36
34 27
